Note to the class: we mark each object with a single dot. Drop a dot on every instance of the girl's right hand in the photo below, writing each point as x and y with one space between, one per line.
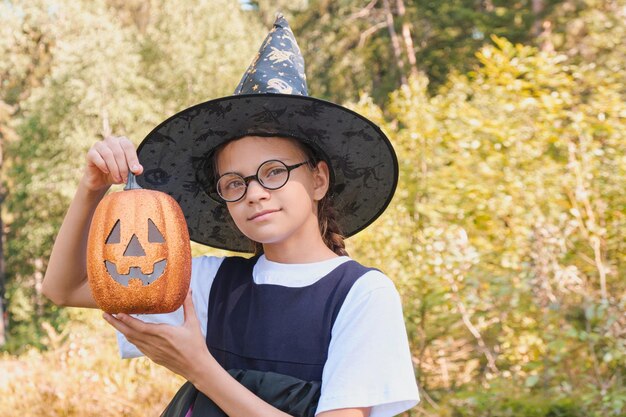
109 161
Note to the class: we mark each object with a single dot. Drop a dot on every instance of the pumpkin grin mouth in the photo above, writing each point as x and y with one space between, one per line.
135 273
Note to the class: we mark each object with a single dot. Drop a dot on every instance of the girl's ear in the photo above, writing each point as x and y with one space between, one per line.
321 180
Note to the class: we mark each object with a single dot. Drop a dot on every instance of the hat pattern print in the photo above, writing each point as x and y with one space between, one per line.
278 66
270 100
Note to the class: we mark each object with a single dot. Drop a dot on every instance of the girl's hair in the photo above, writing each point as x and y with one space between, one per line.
331 232
326 213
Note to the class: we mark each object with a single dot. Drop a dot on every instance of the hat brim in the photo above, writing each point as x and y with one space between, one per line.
364 164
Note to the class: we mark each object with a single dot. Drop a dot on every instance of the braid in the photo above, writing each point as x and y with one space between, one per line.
258 247
331 232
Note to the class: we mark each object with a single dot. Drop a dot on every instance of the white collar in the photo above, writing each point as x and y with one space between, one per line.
293 275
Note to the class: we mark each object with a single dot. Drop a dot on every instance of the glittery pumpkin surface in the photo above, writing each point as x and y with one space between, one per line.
138 253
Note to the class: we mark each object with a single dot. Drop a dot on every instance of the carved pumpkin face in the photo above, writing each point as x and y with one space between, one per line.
138 253
128 261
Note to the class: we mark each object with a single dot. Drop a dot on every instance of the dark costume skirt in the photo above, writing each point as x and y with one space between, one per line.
291 395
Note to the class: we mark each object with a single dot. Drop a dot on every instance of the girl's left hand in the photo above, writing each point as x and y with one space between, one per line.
178 348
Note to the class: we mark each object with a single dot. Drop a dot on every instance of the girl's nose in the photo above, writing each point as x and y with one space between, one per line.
256 191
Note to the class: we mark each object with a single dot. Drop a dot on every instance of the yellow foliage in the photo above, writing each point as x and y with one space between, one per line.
81 374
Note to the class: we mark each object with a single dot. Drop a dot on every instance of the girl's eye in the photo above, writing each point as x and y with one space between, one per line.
234 184
273 171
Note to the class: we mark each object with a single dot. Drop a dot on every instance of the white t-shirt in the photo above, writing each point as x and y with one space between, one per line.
369 362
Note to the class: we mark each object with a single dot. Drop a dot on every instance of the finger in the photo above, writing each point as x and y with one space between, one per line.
131 156
138 325
114 144
143 340
189 310
94 158
129 325
117 324
107 155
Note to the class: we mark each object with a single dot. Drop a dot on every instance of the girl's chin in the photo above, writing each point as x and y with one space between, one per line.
263 239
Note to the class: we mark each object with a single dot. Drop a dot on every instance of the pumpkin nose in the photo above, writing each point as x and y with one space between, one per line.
134 248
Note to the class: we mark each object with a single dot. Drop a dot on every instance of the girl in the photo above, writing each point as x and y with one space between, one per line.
277 164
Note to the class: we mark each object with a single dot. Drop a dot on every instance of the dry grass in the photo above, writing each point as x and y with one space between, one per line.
82 375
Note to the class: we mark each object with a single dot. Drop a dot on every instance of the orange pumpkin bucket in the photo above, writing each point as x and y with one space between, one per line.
138 252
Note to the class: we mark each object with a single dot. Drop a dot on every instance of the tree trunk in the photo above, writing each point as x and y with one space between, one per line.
542 28
395 42
406 36
5 113
3 326
39 299
3 337
537 8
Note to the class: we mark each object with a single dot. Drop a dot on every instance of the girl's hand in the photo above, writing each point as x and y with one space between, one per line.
178 348
109 161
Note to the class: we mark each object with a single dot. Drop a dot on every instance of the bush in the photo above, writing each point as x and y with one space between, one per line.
503 404
81 374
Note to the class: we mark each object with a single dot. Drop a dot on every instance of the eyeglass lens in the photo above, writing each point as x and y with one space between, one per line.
271 175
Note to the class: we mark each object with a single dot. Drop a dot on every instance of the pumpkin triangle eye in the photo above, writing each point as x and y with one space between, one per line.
154 236
114 236
134 248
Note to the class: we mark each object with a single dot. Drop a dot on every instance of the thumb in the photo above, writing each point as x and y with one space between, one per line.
189 311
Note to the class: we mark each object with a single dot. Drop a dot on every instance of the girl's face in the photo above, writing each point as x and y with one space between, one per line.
286 215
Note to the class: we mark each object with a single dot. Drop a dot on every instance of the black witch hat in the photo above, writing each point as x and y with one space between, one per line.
270 100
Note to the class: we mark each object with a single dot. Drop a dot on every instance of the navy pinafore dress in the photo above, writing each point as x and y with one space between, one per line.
272 331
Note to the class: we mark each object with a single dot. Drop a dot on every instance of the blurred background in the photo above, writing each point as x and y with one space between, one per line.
506 237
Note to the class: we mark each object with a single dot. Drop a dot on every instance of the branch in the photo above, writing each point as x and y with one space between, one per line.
106 126
364 12
491 361
369 32
429 399
408 39
395 42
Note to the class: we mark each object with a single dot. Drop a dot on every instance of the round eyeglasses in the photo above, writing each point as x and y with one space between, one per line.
272 175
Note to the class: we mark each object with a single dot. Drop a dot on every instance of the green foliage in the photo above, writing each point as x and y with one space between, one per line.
74 65
500 404
348 45
504 234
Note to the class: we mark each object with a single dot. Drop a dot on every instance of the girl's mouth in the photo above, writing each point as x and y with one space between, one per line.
261 215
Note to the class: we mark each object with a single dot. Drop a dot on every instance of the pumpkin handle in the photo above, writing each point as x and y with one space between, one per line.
131 183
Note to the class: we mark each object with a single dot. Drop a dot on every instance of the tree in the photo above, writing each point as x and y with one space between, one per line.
137 66
504 236
28 53
373 46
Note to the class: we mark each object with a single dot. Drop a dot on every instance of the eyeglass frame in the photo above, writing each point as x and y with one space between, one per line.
255 176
